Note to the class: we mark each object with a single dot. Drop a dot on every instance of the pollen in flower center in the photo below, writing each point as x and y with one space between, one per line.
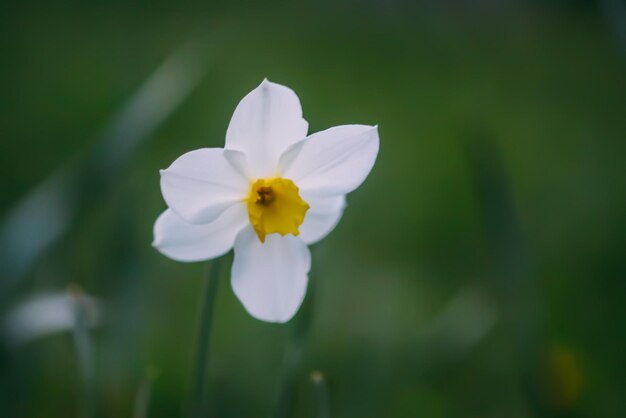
275 206
265 195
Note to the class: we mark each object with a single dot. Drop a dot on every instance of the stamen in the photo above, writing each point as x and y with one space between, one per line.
265 195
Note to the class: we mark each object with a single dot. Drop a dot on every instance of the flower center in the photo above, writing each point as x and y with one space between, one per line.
274 205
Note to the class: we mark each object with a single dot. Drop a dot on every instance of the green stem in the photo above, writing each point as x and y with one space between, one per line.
200 372
82 344
144 393
286 393
321 397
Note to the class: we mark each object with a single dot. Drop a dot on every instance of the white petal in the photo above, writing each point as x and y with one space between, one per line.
270 278
332 162
264 124
239 162
201 184
183 241
321 218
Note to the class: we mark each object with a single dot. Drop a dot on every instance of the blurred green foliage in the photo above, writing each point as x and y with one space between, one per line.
479 272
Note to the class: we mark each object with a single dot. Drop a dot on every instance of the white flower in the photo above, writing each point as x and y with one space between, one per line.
46 314
269 193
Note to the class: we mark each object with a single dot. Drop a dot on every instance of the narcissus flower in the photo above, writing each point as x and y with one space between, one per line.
269 193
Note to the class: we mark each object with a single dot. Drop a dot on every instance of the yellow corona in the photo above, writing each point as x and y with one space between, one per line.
275 206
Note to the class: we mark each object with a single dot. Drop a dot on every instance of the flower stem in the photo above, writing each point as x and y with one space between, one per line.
144 393
286 393
200 371
82 344
320 395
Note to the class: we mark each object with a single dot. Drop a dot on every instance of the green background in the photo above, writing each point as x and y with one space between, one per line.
478 272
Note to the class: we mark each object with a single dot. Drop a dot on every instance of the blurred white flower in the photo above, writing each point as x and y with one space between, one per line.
46 314
270 192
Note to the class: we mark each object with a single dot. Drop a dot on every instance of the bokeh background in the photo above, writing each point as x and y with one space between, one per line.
479 271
